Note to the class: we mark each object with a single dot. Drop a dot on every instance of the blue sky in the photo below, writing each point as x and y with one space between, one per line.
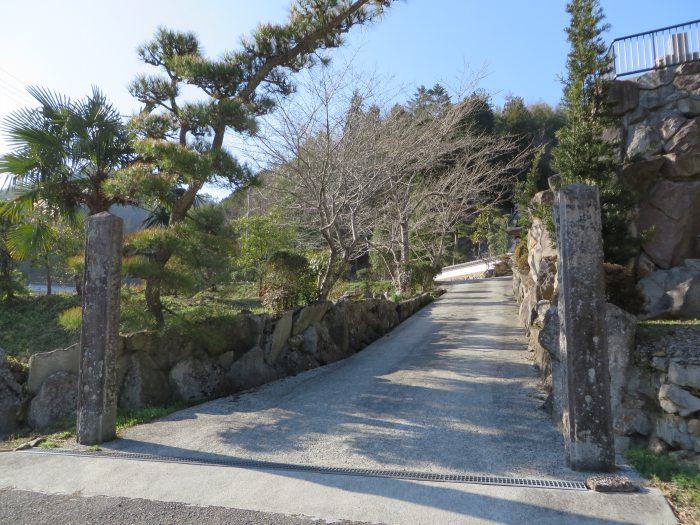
520 45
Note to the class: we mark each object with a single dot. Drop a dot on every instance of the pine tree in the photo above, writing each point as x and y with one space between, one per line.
581 155
182 143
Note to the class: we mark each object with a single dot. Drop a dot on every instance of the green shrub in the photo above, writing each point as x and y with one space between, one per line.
71 319
287 281
520 254
423 275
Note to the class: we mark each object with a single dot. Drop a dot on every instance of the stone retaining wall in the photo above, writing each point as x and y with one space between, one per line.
659 138
222 356
654 370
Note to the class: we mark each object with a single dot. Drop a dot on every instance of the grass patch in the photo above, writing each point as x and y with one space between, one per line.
64 430
680 482
30 324
342 287
49 443
131 418
670 322
182 311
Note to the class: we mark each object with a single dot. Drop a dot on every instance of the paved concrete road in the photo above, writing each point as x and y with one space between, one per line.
18 507
451 390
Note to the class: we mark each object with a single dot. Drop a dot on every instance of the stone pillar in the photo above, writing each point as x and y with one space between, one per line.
588 430
97 382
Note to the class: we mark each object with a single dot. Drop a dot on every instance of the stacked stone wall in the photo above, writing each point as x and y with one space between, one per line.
218 357
659 137
655 380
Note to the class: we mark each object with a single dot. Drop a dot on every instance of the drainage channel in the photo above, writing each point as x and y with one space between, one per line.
377 473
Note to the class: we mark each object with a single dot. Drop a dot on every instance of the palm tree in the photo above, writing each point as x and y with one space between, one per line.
64 152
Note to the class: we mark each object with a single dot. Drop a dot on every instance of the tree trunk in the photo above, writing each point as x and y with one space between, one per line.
403 284
328 279
153 301
48 276
454 250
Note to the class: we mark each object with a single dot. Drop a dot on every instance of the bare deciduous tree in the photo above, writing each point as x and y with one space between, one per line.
321 148
360 178
439 170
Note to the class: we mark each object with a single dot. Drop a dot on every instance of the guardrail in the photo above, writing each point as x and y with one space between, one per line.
657 49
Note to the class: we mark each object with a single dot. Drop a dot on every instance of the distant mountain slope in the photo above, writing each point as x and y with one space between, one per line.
132 216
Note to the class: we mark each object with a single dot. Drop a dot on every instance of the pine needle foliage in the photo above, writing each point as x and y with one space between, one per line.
581 155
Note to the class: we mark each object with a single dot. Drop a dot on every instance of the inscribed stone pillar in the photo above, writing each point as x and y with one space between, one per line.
583 344
97 383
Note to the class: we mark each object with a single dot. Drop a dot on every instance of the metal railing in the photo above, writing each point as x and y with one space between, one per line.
658 49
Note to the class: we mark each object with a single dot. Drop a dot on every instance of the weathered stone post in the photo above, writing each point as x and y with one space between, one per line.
97 381
588 430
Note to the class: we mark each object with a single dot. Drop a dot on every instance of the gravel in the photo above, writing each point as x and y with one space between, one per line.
18 507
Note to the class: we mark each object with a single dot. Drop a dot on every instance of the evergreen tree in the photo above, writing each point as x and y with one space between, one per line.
182 143
581 155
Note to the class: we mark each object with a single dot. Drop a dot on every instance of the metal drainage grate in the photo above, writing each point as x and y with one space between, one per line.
377 473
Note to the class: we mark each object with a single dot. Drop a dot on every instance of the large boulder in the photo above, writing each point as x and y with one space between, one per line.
218 335
684 374
662 97
624 96
251 370
672 293
292 362
546 282
143 384
539 245
673 430
310 315
687 79
44 364
681 166
527 311
10 399
387 315
196 379
686 139
628 422
676 400
541 355
281 331
327 350
548 338
310 343
57 399
690 107
655 79
336 326
642 174
620 327
671 212
361 331
164 349
670 125
643 141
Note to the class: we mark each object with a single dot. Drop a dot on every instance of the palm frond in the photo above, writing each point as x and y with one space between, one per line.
49 100
28 238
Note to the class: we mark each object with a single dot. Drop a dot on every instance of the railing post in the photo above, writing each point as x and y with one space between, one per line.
670 46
